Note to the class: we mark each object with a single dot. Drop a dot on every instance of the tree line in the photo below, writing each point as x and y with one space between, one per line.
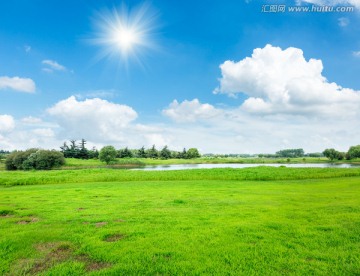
79 150
352 153
39 159
109 153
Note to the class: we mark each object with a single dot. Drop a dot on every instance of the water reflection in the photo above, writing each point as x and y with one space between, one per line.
240 166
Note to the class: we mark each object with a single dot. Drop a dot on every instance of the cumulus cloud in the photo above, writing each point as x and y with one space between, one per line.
190 111
18 84
7 123
283 82
53 66
95 119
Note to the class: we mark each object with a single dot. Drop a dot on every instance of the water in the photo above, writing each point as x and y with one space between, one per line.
240 166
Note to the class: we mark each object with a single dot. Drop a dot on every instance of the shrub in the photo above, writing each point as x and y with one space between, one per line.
34 159
15 160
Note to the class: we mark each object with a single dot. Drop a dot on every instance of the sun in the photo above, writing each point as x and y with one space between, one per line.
124 33
126 38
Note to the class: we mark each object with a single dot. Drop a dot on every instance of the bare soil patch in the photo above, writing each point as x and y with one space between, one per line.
113 237
28 220
101 224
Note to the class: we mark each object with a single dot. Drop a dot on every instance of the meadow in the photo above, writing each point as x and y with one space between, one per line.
264 220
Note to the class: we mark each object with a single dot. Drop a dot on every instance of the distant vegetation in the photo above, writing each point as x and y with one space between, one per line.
74 150
44 159
34 159
353 153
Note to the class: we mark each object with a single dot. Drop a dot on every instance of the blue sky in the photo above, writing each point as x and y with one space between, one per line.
53 89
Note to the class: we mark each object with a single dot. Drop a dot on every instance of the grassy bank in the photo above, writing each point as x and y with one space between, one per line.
189 227
72 163
9 178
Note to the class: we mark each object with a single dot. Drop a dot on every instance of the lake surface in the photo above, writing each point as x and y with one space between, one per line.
240 166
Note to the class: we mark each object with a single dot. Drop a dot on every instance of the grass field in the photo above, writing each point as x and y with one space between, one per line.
215 222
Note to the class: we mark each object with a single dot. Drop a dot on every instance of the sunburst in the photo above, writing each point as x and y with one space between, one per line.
124 33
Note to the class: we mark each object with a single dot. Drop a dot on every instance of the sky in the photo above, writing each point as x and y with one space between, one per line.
233 76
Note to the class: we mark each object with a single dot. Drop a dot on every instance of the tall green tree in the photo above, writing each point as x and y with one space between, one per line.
83 152
141 152
192 153
125 153
107 154
152 153
333 154
165 153
354 152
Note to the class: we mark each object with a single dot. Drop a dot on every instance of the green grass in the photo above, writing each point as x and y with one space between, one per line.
216 225
9 178
93 163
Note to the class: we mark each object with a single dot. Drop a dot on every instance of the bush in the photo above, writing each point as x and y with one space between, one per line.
34 159
354 152
15 160
107 154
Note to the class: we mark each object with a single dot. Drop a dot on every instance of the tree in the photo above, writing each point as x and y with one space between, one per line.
83 153
2 157
141 153
315 154
107 154
125 153
290 153
152 153
333 154
94 153
183 154
73 151
354 152
192 153
165 153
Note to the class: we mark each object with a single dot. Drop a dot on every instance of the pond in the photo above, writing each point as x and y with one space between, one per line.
240 166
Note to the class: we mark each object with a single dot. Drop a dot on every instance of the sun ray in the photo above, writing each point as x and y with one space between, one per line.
124 33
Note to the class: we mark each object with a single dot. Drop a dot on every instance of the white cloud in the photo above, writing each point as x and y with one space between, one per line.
7 123
190 111
44 132
94 119
100 93
343 21
355 3
53 66
18 84
47 70
282 82
27 48
356 54
31 120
